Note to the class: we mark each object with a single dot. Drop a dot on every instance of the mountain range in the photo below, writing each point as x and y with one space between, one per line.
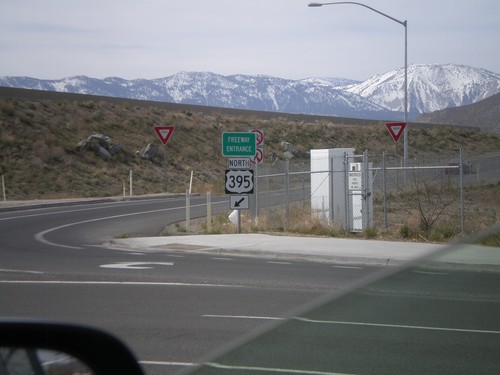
431 87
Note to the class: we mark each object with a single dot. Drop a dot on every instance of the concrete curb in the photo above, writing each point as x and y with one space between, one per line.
326 250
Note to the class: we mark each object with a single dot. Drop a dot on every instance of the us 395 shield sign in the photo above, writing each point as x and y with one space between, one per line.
239 181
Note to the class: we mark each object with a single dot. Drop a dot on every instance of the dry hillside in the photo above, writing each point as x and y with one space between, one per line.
40 132
484 114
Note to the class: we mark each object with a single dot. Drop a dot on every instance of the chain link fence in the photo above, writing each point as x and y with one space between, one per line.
377 190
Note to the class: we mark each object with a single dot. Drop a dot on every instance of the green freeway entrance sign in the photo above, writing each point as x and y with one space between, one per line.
239 144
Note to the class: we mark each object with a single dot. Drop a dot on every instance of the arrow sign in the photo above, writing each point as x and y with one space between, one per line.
396 129
239 202
164 133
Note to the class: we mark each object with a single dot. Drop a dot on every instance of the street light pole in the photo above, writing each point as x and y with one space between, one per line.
405 24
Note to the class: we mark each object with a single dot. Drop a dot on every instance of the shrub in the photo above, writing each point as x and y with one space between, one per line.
405 231
370 232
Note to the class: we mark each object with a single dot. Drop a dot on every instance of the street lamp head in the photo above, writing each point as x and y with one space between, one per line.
314 4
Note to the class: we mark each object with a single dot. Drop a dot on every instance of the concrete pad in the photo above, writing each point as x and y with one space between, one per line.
338 250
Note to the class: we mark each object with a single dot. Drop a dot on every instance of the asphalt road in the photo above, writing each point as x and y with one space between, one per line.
170 307
173 308
420 321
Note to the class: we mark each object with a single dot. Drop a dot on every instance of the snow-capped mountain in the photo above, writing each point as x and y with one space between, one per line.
265 93
431 87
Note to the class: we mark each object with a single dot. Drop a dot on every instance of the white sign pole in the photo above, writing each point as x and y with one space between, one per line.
130 183
209 212
188 210
191 182
164 133
3 189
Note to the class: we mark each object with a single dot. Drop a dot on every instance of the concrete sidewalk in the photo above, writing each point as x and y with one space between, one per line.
338 250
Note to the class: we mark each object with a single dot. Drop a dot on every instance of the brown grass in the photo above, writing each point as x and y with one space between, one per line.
39 157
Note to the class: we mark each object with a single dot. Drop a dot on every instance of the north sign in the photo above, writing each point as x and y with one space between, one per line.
239 144
238 163
239 181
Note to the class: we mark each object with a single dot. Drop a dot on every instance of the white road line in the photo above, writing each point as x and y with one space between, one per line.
463 330
164 363
227 259
101 206
21 271
306 320
135 283
349 267
48 213
430 272
271 370
276 262
236 368
40 237
135 265
242 317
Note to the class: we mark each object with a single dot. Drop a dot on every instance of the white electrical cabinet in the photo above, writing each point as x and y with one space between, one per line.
341 188
328 183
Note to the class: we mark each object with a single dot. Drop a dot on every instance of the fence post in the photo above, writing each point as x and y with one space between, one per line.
366 193
256 192
130 183
287 208
188 210
331 177
267 194
209 212
190 183
3 189
461 193
348 208
384 183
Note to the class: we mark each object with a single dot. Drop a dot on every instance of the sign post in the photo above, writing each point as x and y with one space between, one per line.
164 133
257 159
241 148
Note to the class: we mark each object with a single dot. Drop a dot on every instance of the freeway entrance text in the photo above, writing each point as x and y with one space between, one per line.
239 144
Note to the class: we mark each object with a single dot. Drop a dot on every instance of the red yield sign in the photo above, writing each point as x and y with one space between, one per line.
164 133
396 129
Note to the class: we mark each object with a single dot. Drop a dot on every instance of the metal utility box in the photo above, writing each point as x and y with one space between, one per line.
328 183
360 182
341 188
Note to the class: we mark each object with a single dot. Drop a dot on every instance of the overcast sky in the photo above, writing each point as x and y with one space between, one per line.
53 39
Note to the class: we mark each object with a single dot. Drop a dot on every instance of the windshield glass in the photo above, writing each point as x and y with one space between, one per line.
435 316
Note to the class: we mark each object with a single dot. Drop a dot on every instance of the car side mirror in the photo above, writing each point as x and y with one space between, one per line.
41 346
